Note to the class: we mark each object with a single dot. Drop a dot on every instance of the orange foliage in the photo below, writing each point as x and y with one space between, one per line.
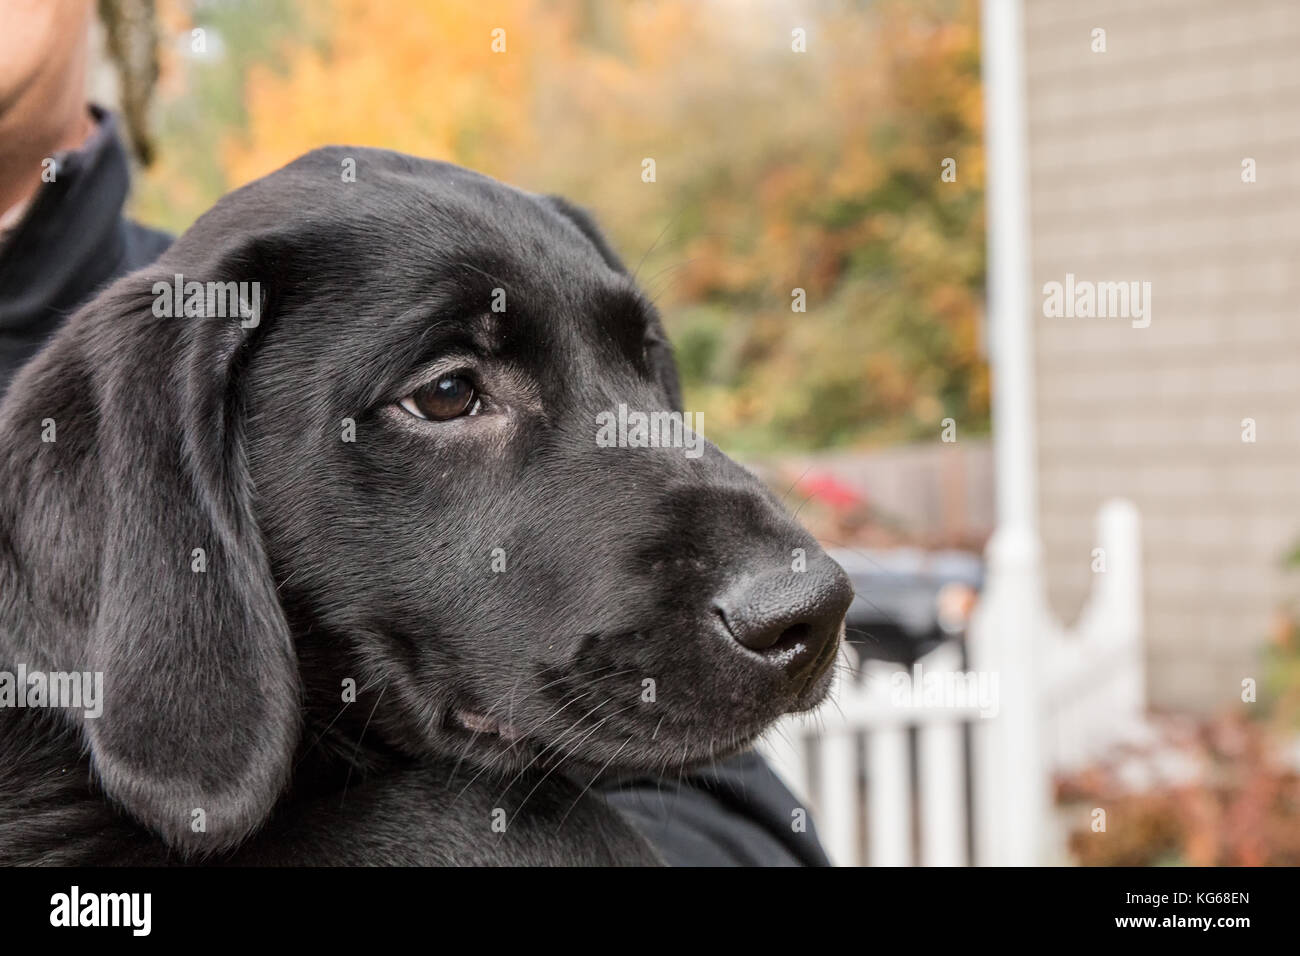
776 170
420 78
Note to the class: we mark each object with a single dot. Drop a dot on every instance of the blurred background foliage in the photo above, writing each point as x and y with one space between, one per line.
776 170
1215 790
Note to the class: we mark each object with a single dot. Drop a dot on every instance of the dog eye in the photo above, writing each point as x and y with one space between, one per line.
448 397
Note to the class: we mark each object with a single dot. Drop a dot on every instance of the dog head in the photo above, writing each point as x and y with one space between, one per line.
438 451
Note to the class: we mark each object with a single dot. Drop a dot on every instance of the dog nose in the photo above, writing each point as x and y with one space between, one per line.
787 617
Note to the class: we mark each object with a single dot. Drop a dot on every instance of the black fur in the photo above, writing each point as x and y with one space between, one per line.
371 560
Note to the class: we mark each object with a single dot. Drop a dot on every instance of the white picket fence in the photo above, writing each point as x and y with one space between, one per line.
894 778
853 762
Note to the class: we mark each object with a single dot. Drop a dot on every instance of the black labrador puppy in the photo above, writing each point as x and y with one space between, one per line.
334 535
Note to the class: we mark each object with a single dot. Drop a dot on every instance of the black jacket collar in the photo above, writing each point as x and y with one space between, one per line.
71 241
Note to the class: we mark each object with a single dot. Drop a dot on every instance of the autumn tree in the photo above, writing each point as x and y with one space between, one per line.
813 232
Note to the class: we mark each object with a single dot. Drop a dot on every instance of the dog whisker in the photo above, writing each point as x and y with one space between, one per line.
551 746
585 737
333 720
590 782
360 737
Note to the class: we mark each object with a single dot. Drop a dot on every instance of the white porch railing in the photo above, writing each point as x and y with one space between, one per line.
900 768
854 760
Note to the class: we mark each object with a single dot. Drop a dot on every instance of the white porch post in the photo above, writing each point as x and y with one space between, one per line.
1012 620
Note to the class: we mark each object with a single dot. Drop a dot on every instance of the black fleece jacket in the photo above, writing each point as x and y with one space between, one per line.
70 243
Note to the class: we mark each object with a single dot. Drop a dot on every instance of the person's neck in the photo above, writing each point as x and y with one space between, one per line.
30 133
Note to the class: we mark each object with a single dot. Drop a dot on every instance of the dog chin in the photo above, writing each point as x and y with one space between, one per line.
479 744
477 738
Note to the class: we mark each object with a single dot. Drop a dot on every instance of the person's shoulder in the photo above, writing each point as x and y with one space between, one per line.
143 245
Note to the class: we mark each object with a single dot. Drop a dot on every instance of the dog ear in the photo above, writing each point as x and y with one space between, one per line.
665 363
202 693
586 224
